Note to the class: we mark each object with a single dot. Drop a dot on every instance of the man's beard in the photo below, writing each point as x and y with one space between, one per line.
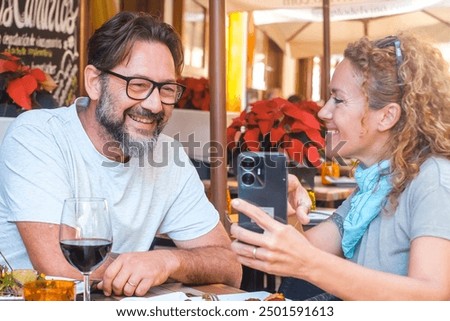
114 126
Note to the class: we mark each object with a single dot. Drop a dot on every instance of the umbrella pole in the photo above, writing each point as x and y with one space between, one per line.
217 75
326 50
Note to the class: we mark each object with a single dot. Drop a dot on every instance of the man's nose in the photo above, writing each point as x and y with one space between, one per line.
153 102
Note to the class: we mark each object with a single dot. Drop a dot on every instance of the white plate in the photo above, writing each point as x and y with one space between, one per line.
261 295
174 296
11 298
315 217
180 296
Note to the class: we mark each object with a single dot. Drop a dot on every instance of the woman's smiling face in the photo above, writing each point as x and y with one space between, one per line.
352 127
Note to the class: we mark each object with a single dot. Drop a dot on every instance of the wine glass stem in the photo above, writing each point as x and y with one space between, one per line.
87 288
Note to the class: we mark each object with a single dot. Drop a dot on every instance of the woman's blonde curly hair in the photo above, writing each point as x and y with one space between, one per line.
419 81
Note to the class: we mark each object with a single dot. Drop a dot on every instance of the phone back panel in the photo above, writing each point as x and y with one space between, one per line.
262 181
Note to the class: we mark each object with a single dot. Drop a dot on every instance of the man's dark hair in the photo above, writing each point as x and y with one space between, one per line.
112 42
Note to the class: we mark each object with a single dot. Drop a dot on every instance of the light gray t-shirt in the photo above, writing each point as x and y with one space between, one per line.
423 210
46 156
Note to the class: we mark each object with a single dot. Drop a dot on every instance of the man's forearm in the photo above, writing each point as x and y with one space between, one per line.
207 265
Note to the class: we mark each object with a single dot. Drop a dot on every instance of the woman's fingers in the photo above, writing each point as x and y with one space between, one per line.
254 213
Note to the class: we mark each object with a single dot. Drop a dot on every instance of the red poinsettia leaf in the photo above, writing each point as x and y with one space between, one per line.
243 116
7 65
20 90
9 56
280 102
310 105
38 74
297 126
315 137
276 134
251 119
301 115
251 139
236 123
252 134
9 62
259 104
314 156
295 149
263 112
265 126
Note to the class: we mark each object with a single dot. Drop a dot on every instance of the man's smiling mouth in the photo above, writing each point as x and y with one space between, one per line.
142 119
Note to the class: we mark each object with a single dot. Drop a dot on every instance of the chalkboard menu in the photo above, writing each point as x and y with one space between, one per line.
44 34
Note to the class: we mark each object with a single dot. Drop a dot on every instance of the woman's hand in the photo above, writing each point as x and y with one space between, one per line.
280 250
299 202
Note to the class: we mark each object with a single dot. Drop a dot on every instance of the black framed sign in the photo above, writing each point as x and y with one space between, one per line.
45 35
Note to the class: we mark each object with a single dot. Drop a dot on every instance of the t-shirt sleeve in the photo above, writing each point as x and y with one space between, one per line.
430 203
31 183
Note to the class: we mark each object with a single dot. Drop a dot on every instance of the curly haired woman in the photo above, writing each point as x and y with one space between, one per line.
390 240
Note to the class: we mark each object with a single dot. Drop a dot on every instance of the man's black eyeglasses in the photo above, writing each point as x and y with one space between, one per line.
139 88
393 41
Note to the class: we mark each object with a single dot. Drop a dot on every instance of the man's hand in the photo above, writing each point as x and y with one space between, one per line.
135 273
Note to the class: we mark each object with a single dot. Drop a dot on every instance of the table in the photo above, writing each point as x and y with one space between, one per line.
330 194
166 288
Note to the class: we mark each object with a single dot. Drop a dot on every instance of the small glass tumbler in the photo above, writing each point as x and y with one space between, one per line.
330 168
49 290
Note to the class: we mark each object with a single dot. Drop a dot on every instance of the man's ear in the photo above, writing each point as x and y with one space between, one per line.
92 82
389 116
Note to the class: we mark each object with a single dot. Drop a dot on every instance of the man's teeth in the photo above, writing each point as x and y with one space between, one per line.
332 131
141 119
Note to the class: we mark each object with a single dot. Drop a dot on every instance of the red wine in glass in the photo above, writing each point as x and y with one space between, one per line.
86 254
85 235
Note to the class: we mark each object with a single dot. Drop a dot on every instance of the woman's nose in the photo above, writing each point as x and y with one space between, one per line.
326 112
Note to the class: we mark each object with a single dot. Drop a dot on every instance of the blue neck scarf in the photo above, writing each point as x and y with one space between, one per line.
374 185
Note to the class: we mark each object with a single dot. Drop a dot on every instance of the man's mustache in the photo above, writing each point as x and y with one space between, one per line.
158 117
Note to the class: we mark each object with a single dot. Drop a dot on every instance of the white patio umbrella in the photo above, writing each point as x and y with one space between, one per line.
299 31
297 26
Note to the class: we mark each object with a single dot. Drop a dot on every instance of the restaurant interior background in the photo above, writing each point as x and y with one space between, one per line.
265 56
272 48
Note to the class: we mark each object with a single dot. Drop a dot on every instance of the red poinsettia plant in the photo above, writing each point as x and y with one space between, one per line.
21 82
196 95
278 124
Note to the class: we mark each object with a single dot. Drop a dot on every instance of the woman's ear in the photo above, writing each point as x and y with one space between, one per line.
92 82
389 116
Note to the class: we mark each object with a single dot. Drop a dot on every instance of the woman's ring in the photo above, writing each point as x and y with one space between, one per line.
132 284
254 252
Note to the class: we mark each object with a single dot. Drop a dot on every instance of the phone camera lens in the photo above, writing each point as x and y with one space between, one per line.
248 178
248 163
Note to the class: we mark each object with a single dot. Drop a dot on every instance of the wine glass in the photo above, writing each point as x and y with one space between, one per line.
85 235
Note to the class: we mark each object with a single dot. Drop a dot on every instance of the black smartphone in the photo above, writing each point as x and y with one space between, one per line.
262 181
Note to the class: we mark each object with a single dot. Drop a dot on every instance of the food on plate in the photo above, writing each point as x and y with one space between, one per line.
272 297
276 297
11 282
